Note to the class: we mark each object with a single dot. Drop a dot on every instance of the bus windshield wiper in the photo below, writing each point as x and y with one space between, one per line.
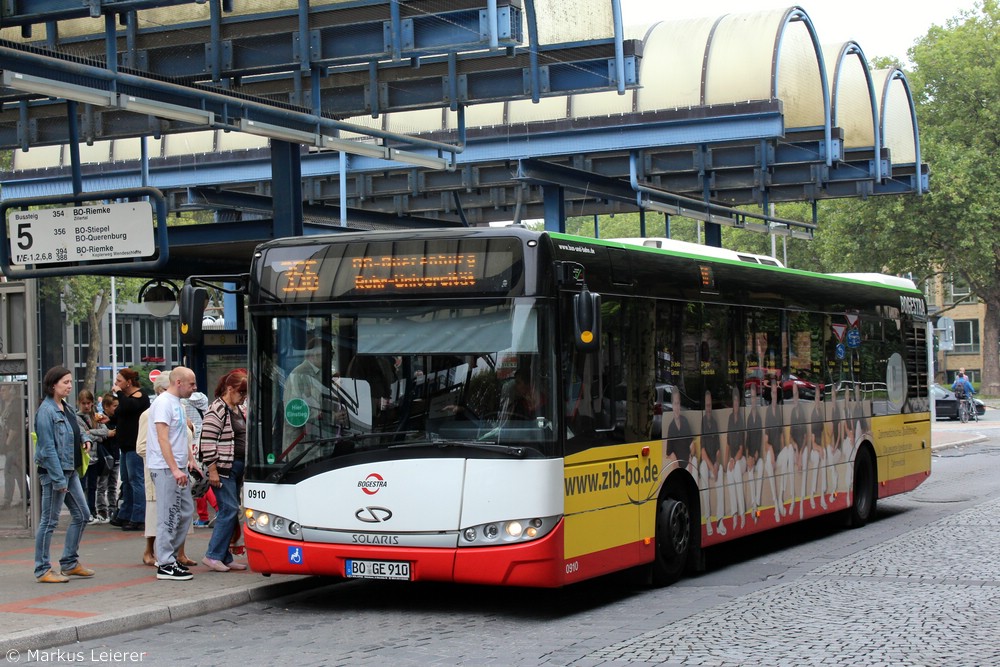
309 445
279 474
510 450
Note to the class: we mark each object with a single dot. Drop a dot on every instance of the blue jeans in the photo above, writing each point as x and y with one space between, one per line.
226 518
133 489
51 506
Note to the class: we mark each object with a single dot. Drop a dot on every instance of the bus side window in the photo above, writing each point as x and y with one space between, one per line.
589 407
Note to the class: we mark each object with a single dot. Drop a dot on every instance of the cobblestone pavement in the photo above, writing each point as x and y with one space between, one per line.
920 586
931 597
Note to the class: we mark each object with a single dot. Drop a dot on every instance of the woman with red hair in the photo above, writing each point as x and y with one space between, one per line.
223 450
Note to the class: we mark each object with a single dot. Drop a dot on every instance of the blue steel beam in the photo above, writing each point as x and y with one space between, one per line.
668 151
30 12
228 107
336 34
439 81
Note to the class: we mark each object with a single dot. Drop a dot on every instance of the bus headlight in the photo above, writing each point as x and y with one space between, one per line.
272 524
513 531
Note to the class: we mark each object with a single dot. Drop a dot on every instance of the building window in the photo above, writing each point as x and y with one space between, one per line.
966 337
958 288
81 347
151 342
81 344
931 292
124 349
971 373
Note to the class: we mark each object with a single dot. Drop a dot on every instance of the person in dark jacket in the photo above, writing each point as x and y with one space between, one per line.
132 402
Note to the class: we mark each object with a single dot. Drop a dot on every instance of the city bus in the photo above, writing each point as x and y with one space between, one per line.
512 407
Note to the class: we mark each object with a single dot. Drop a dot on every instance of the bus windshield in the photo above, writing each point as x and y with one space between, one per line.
475 378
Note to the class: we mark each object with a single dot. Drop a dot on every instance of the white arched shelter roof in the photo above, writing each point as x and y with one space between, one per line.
897 116
732 59
853 104
691 69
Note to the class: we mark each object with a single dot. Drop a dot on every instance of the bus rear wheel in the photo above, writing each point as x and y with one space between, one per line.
865 489
673 540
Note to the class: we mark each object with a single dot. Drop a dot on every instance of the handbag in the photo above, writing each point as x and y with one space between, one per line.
109 461
198 481
81 457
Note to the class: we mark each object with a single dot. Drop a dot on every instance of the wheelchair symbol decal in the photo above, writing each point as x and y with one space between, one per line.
295 555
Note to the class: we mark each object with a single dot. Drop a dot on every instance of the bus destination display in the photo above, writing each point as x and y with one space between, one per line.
415 272
347 273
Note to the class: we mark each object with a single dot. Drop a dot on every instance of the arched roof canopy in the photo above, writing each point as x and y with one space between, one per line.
739 109
897 116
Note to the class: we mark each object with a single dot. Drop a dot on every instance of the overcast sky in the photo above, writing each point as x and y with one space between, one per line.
881 27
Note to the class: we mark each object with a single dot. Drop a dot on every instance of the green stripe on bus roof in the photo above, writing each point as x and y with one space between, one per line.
725 260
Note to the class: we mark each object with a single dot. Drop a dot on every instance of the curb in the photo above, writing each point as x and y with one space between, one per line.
145 617
971 440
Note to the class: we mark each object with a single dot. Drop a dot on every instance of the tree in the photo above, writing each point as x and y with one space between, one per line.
953 229
87 299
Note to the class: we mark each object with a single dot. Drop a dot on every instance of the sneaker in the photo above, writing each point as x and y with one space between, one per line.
103 517
173 572
116 522
236 566
51 577
78 570
201 524
182 567
216 565
93 520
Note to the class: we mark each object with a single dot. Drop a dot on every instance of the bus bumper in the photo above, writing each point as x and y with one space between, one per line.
538 563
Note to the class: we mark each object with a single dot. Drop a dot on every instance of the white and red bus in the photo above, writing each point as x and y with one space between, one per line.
508 407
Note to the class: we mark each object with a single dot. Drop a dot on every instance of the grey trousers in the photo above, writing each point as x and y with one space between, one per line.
174 509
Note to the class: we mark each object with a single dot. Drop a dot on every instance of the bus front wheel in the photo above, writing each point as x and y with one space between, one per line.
865 489
673 540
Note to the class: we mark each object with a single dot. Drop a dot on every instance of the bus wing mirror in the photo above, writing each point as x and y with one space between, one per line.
192 310
587 320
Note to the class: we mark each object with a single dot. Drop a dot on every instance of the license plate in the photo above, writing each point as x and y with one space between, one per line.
377 569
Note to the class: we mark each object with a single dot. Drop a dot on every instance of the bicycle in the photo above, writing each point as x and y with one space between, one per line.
967 409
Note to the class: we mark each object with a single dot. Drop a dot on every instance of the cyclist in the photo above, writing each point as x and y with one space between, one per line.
963 392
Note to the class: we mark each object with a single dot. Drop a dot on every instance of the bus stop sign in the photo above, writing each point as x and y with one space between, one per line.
81 233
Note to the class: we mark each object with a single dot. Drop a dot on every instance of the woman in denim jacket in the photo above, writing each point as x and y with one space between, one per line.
56 455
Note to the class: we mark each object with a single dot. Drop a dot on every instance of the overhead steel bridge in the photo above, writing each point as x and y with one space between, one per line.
288 117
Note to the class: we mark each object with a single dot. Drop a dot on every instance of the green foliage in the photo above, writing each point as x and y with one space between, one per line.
83 296
955 228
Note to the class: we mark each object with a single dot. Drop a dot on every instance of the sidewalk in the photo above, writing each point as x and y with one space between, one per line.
125 595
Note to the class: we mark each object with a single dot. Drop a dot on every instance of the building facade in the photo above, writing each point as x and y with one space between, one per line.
948 295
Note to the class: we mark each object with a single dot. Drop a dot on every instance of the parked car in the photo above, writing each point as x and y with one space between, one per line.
661 404
757 376
946 404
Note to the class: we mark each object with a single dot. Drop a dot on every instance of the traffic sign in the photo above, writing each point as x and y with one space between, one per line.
296 412
86 232
153 374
